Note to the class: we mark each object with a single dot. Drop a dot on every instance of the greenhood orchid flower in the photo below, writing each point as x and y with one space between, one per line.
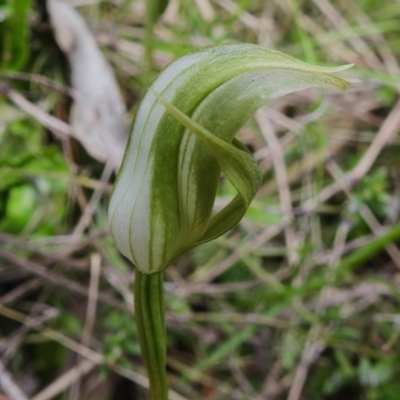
183 137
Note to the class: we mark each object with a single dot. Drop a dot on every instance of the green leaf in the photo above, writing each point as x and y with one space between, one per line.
14 30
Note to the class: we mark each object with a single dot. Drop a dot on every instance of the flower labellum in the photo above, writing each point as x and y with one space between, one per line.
182 138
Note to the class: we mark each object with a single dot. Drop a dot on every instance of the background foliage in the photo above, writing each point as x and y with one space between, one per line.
300 301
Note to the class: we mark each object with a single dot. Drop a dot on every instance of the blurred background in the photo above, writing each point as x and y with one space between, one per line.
300 301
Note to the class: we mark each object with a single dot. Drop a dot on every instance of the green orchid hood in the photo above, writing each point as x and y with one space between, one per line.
182 138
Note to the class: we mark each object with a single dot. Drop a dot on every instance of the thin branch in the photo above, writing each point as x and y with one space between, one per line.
311 352
65 380
9 386
282 182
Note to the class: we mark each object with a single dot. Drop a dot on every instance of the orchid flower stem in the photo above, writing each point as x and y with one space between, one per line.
149 312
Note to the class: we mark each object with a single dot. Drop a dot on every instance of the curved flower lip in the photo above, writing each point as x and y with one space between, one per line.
183 137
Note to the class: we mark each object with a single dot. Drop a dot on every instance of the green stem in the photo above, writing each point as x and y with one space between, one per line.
149 312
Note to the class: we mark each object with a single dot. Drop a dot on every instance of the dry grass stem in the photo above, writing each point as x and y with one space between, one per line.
8 385
64 381
282 183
